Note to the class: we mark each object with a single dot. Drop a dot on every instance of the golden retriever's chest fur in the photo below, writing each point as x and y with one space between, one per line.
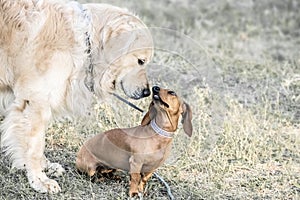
38 30
42 45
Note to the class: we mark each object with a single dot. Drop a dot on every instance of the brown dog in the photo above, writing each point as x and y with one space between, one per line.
142 149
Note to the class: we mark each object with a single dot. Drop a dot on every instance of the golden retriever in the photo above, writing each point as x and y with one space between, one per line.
54 56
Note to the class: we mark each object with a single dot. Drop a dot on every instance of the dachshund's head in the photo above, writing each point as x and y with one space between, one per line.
171 107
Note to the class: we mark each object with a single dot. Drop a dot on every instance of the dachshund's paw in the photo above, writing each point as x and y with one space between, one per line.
136 195
133 193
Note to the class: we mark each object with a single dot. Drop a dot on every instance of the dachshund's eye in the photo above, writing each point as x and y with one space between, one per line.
172 93
141 61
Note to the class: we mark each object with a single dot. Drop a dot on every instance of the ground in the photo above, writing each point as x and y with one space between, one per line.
237 63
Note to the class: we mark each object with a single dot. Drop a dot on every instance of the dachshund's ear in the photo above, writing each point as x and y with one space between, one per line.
149 115
187 119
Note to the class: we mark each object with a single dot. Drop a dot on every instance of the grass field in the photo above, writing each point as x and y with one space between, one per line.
238 65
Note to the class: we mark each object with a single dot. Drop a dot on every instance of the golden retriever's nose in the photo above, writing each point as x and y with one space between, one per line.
146 92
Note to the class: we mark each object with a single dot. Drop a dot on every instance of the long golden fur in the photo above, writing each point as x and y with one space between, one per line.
54 56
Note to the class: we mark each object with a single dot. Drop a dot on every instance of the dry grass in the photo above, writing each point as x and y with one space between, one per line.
240 73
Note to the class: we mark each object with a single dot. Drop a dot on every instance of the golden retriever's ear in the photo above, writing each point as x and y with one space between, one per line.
117 39
187 119
149 115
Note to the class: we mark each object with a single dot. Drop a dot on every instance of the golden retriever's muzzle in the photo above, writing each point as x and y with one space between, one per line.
142 94
135 84
137 93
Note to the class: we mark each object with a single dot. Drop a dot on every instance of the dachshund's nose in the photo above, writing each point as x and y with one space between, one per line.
155 89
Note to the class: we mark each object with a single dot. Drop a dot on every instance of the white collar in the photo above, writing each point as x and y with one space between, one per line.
160 131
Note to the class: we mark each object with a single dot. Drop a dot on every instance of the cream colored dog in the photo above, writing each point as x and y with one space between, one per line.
54 56
141 149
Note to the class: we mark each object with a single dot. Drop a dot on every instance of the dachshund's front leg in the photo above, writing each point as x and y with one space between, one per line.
135 176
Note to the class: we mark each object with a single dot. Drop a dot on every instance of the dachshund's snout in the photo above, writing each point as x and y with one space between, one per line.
155 89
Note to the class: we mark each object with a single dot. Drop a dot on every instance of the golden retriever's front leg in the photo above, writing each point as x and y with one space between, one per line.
24 140
36 177
35 154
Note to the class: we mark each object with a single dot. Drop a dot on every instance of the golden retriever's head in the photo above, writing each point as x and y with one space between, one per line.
127 48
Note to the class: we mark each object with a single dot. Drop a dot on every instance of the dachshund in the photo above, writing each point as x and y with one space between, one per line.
142 149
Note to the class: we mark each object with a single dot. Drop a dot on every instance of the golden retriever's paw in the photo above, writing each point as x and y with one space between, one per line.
43 184
55 169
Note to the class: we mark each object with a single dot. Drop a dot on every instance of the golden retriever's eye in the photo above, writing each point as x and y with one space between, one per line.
172 93
141 61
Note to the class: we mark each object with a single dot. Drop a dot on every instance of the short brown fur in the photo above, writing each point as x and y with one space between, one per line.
139 150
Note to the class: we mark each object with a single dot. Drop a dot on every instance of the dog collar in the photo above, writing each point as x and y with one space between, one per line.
160 131
89 78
